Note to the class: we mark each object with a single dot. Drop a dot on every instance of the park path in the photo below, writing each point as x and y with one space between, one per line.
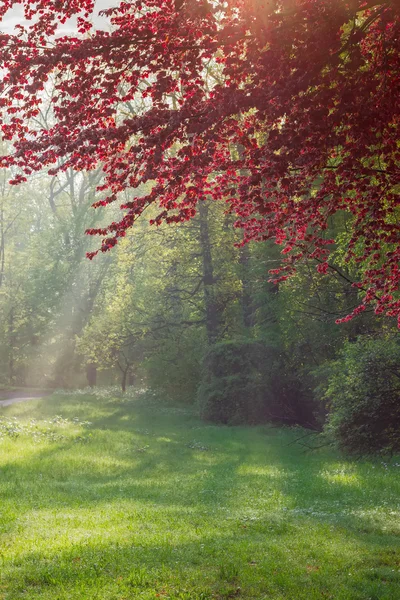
9 401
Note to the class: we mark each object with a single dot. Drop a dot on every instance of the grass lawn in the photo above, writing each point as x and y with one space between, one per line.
148 502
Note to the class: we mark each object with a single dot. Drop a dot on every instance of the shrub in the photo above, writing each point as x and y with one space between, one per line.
174 367
363 394
232 389
246 382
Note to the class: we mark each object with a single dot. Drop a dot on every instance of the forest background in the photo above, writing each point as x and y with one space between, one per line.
181 309
187 309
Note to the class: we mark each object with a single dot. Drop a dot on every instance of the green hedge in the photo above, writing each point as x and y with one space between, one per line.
363 394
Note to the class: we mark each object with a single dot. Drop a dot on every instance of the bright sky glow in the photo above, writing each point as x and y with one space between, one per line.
15 17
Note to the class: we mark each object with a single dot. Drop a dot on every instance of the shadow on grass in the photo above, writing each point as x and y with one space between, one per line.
129 447
171 495
216 566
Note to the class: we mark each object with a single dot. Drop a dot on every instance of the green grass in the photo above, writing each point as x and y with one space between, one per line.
147 502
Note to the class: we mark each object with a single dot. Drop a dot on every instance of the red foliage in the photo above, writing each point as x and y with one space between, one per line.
287 110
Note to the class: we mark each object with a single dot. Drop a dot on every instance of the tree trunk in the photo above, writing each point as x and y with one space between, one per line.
2 246
131 378
124 378
211 308
246 298
11 340
91 374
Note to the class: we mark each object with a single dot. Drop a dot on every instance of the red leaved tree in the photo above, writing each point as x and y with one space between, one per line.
287 110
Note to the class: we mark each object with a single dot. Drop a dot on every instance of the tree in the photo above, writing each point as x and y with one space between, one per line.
307 91
154 307
47 287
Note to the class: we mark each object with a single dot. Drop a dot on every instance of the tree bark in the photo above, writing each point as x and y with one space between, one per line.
11 339
246 297
211 308
91 374
124 378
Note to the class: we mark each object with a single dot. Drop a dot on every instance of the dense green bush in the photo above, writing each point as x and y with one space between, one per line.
363 394
233 388
246 382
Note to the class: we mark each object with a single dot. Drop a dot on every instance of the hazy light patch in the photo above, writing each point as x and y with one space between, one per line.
206 458
70 527
93 465
15 16
342 477
268 471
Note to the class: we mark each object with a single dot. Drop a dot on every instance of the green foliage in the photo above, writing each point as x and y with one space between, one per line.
363 391
149 310
234 388
174 367
248 382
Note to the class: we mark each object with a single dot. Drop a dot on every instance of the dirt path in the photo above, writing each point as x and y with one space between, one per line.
10 401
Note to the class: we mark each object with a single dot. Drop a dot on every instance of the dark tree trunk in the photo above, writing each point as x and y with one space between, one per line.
2 246
173 292
91 374
246 297
211 308
123 381
11 340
